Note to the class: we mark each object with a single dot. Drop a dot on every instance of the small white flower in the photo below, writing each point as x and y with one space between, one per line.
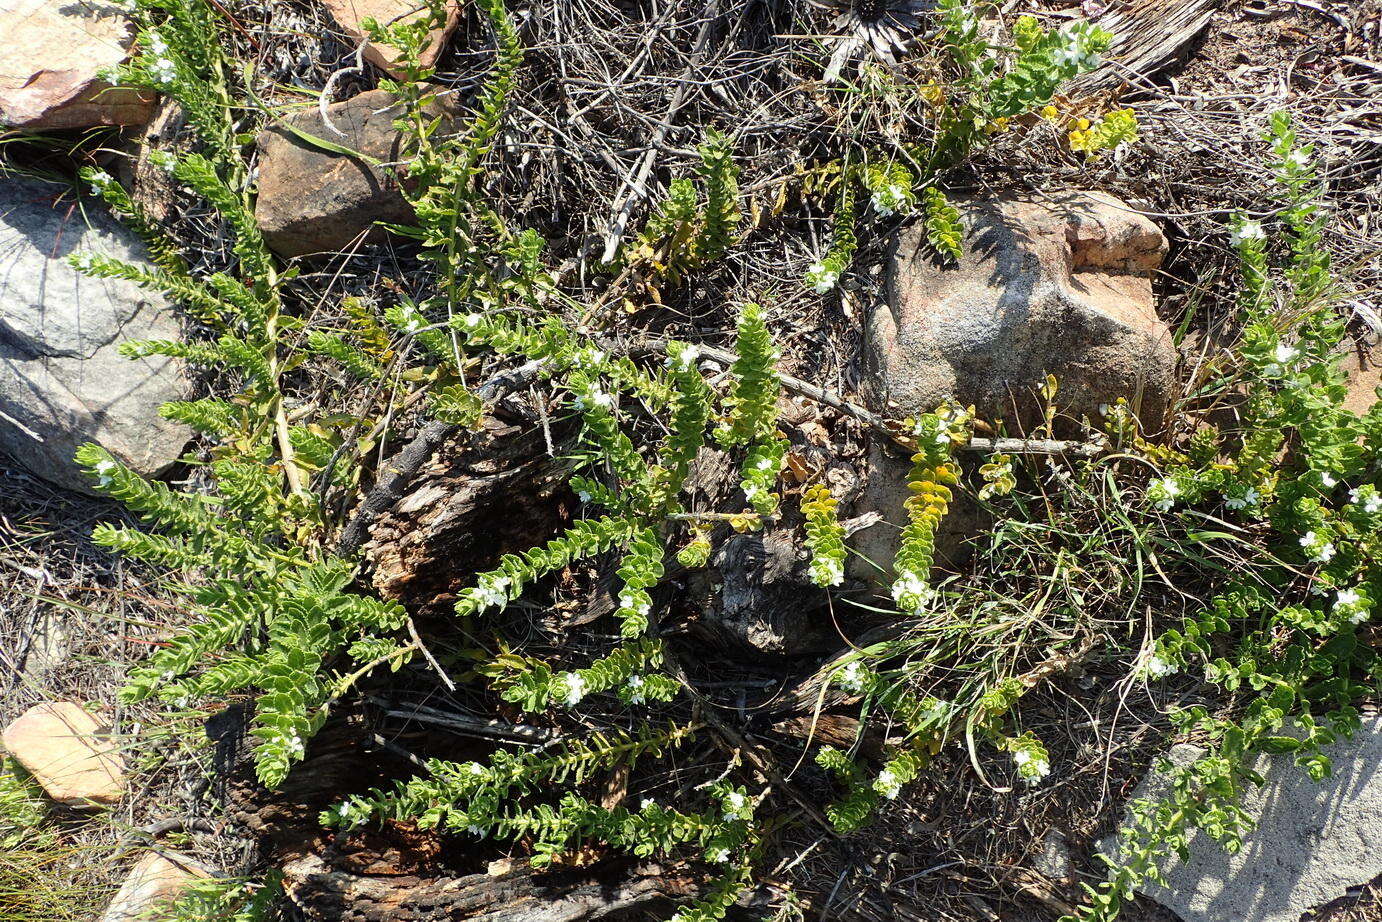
719 855
734 803
599 398
635 687
83 262
157 45
491 592
1285 354
831 572
475 830
1248 497
689 355
851 678
583 496
475 768
1328 479
1158 668
163 70
1369 499
575 689
103 469
1319 550
101 179
911 592
647 804
1163 493
887 784
1298 159
1346 598
471 321
766 464
1248 230
821 279
164 161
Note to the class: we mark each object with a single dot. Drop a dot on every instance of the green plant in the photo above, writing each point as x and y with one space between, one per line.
1281 635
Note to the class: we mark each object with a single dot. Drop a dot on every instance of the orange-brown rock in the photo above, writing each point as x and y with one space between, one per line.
350 14
52 54
66 751
313 200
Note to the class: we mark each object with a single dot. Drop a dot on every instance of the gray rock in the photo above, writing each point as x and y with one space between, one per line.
1313 842
62 381
1059 286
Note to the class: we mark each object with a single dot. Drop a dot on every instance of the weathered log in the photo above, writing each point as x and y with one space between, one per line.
483 494
1148 37
508 894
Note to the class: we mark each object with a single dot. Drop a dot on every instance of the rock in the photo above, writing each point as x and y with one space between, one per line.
1364 366
50 59
62 380
314 201
1313 842
153 883
65 750
349 14
1060 287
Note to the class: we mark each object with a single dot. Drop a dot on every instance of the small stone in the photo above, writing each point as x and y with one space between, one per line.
64 749
1313 842
350 14
152 884
50 61
63 381
313 200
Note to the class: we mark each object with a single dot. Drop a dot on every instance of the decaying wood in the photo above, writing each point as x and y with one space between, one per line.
513 894
399 471
1148 36
484 494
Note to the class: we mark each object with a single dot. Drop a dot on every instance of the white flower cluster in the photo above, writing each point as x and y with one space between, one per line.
1367 498
828 571
635 687
101 179
163 160
851 678
1032 764
162 68
574 687
103 469
1351 602
635 601
890 200
734 805
685 358
1243 499
1163 493
1077 48
821 279
352 813
1317 548
490 592
887 784
595 397
1158 668
1245 231
1283 357
83 262
911 592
